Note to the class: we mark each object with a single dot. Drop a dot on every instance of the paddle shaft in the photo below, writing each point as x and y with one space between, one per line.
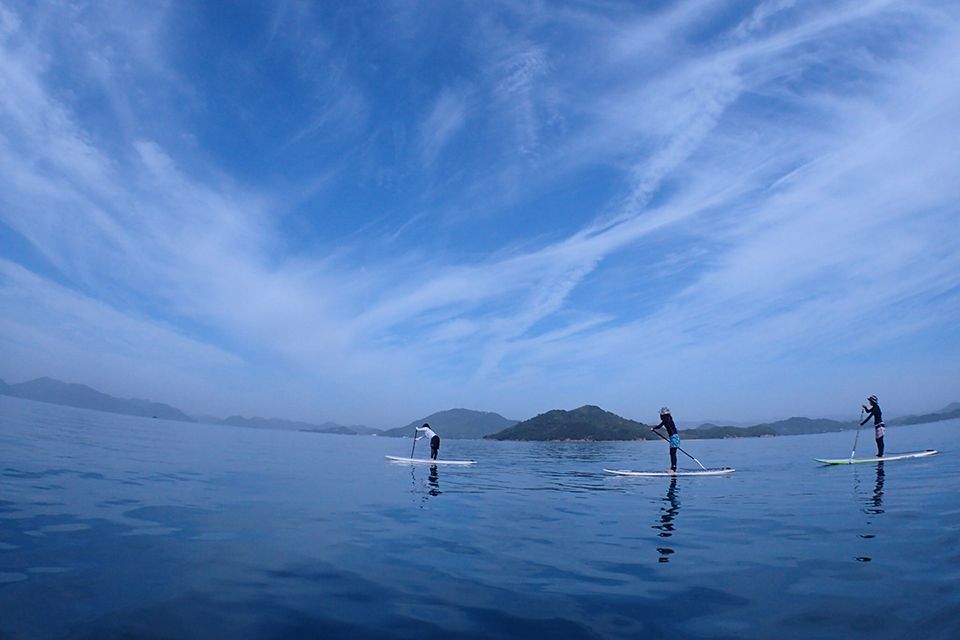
857 439
684 452
414 443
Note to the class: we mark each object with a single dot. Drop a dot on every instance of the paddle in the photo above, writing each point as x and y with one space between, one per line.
857 439
685 453
414 442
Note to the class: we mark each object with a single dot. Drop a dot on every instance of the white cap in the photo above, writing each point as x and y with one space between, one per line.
665 411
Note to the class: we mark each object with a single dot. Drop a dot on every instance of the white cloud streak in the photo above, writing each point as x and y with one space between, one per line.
815 223
446 118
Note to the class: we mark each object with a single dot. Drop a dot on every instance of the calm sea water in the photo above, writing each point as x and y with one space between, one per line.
113 526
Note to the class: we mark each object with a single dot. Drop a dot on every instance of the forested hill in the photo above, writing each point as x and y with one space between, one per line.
456 423
586 423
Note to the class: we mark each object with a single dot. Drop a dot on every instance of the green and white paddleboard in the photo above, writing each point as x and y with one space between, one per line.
886 458
422 461
656 474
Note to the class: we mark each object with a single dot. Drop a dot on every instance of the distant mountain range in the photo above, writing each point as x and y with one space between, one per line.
788 427
79 395
714 432
293 425
586 423
949 412
82 396
593 423
456 423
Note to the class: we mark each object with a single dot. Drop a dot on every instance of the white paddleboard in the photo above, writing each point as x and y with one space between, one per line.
886 458
422 461
652 474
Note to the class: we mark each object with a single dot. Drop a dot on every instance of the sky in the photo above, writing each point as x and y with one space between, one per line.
366 212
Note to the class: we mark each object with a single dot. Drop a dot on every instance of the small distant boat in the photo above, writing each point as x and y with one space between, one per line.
423 461
886 458
655 474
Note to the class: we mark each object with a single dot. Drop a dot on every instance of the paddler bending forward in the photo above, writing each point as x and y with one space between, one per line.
434 439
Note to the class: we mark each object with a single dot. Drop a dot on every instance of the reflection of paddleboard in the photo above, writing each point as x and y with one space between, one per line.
693 472
886 458
422 461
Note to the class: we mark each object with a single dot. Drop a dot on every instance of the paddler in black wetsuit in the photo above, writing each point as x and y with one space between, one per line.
878 427
666 420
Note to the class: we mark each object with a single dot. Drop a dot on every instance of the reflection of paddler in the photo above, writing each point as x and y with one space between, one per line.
666 420
434 481
669 513
666 519
434 439
878 490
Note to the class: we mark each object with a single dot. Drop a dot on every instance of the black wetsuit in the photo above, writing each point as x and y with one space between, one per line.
879 428
667 421
434 447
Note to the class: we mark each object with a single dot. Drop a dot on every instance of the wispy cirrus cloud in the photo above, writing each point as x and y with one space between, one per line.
445 119
761 196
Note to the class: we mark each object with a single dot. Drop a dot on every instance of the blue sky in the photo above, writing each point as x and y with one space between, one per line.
366 212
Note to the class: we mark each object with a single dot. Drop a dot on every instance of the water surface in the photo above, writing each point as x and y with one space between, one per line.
114 526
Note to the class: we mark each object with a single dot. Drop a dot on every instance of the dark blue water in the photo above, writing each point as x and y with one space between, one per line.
120 527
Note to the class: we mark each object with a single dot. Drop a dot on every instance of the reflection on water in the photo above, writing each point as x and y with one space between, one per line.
432 487
668 514
873 505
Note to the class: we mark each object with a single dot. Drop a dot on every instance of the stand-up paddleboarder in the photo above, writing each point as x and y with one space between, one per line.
666 420
879 430
434 439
